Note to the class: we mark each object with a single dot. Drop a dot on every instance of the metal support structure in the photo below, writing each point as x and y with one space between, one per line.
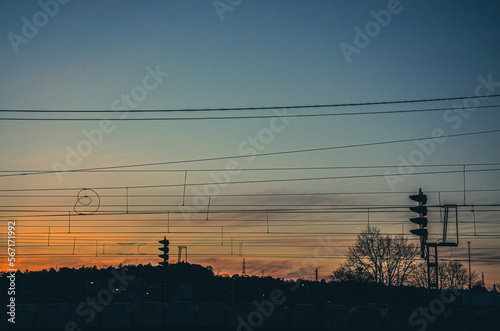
179 256
470 273
426 247
445 224
432 265
184 193
208 206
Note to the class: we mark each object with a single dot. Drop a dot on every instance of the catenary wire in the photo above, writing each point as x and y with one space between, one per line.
387 142
351 104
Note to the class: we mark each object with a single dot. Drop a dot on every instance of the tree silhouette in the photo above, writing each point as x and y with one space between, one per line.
452 274
373 257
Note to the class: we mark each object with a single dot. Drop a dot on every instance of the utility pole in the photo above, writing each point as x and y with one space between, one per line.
164 249
316 274
421 220
470 273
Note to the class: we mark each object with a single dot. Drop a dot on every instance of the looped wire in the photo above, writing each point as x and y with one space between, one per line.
87 202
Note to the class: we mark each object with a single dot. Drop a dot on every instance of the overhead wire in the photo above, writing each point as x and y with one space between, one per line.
333 105
212 118
295 210
22 172
254 194
247 181
306 150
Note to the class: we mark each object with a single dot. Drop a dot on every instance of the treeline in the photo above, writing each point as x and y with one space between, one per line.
378 269
199 284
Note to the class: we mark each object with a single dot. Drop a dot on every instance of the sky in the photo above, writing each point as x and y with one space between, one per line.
121 56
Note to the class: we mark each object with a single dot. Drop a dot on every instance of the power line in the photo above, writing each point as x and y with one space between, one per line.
263 232
254 223
252 194
249 181
232 211
385 112
225 205
272 153
334 105
287 256
251 222
342 207
260 237
34 171
151 244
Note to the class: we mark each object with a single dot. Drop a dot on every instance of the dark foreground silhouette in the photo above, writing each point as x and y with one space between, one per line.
191 297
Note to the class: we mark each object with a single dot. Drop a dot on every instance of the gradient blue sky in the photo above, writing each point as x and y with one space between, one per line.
264 53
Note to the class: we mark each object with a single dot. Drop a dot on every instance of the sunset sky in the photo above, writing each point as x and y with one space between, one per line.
117 56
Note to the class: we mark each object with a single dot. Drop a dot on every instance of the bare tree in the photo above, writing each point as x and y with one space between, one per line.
452 274
373 257
418 277
347 273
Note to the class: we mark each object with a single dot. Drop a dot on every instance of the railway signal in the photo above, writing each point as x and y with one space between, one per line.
165 250
421 220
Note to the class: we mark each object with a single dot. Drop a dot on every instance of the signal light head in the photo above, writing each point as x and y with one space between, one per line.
419 198
419 209
420 232
165 250
420 221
